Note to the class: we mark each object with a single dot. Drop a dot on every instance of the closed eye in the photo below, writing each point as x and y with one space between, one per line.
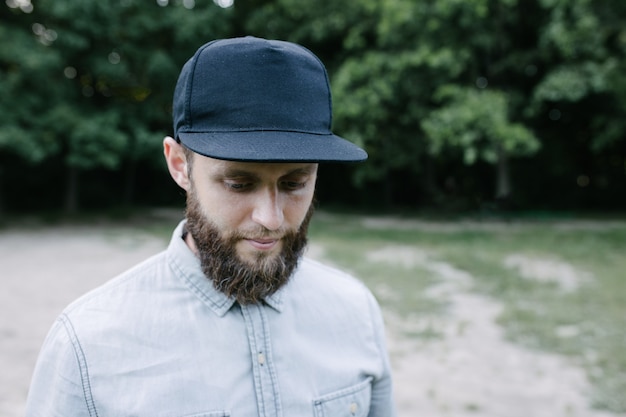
238 186
293 185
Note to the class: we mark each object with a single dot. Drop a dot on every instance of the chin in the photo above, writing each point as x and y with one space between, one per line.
253 256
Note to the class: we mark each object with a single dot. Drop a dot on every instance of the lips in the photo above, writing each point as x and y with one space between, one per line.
263 244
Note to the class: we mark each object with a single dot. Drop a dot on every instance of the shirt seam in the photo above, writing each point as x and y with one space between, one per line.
373 322
82 365
270 362
254 351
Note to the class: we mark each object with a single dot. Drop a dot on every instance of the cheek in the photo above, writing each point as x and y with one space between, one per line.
225 213
297 209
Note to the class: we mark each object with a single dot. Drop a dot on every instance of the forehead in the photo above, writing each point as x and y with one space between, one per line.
238 168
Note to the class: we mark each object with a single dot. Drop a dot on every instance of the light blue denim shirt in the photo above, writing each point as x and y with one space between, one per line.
159 340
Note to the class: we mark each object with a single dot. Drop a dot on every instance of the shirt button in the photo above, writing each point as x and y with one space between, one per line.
353 408
261 359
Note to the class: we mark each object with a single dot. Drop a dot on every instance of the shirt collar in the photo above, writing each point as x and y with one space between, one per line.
187 267
276 300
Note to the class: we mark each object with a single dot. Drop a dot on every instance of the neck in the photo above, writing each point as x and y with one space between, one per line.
191 244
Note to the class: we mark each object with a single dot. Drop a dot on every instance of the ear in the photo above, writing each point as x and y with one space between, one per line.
176 162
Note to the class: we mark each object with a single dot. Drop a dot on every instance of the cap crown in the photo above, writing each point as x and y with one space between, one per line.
258 85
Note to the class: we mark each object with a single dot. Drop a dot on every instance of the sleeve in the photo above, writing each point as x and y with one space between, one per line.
60 385
382 401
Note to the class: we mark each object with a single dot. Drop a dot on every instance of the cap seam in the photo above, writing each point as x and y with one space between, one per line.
328 86
308 132
189 86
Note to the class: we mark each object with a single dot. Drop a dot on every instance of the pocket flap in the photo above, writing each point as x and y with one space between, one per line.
353 401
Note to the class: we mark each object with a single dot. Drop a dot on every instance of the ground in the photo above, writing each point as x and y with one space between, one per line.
472 371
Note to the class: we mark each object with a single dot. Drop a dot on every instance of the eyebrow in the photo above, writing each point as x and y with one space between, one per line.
240 172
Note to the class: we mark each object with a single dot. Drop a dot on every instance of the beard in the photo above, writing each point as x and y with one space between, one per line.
248 282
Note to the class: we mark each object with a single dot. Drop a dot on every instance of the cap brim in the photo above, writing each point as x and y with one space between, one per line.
272 146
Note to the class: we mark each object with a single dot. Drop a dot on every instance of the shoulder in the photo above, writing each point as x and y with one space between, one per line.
120 288
321 295
321 283
318 274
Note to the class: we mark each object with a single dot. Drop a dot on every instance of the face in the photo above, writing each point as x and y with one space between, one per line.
248 221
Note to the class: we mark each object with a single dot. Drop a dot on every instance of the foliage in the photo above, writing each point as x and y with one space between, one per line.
425 86
477 123
24 66
95 91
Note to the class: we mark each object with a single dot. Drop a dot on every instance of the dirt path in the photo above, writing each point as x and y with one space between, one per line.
473 371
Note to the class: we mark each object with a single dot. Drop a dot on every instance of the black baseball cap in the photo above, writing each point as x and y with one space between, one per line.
252 99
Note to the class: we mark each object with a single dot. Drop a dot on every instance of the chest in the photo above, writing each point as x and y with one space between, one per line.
251 362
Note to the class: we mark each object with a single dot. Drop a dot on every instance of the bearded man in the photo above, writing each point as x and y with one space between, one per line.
231 319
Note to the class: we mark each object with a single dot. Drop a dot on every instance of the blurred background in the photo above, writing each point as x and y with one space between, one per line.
483 105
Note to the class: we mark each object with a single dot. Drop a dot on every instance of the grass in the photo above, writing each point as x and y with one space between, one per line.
586 323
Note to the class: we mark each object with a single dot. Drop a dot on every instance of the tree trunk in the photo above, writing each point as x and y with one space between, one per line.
387 196
1 192
427 180
129 182
71 190
503 179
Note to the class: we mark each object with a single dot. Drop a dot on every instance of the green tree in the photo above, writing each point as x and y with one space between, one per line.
25 92
586 42
477 124
104 78
549 70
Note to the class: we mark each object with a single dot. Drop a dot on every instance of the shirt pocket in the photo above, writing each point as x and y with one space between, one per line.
353 401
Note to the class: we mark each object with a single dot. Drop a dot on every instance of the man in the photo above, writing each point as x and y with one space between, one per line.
230 320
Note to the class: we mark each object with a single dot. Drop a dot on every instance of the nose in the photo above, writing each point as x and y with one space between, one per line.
268 210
